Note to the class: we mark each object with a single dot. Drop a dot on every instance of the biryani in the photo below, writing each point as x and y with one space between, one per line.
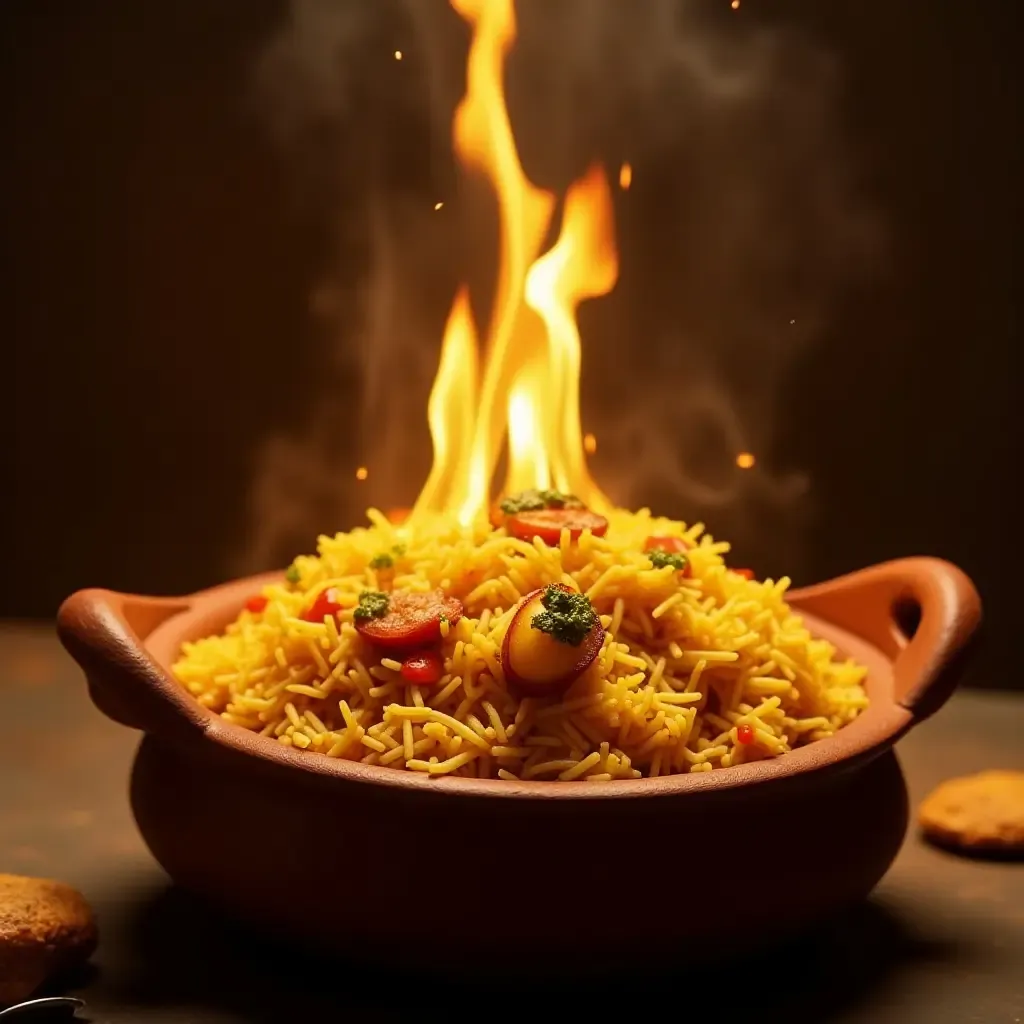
548 643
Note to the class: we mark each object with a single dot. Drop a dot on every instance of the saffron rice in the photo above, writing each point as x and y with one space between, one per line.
685 663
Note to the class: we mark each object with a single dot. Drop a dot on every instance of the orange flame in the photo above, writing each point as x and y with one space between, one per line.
582 264
528 392
450 415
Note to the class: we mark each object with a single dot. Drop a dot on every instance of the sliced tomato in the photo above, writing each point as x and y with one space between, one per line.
672 545
256 604
423 668
745 734
747 574
548 523
326 603
412 619
538 500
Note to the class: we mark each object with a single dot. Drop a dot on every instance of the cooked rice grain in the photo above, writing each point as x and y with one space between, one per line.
685 660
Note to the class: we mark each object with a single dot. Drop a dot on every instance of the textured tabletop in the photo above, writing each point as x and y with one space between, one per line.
941 940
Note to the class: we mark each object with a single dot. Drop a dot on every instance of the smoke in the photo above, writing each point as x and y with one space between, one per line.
742 231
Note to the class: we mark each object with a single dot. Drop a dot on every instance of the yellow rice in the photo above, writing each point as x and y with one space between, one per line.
684 662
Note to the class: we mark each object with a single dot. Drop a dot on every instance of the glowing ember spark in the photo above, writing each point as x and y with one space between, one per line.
625 177
589 444
735 5
745 460
437 206
362 473
398 54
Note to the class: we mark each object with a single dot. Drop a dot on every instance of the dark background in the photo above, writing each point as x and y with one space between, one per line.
156 270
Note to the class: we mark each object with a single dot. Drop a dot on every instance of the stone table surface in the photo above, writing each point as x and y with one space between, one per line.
941 939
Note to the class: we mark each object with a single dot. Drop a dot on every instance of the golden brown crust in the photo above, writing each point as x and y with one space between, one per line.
977 812
45 927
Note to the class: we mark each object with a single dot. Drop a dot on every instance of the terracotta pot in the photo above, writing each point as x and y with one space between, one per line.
384 861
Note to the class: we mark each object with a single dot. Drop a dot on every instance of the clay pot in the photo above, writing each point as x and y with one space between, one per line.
354 856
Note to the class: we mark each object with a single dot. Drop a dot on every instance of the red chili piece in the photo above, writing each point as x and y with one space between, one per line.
412 619
326 603
423 668
672 545
747 574
548 523
745 734
256 604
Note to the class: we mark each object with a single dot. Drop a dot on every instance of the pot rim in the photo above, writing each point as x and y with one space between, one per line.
126 644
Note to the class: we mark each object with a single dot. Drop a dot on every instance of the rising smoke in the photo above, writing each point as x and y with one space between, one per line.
740 232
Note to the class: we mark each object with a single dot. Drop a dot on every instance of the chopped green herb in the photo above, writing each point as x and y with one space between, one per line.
659 559
373 604
382 561
556 499
292 575
525 502
568 617
444 620
398 550
530 501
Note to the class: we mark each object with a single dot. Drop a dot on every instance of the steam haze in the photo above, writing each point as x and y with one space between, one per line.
740 236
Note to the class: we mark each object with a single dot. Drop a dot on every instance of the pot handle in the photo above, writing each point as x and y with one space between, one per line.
921 612
104 632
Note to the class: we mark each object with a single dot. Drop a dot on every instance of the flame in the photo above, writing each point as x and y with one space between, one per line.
450 415
527 394
528 464
582 264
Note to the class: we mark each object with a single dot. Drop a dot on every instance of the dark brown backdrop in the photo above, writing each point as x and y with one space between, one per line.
150 243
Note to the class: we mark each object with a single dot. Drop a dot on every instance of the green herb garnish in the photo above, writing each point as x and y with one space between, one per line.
292 575
382 561
373 604
532 500
398 550
528 501
567 616
659 559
